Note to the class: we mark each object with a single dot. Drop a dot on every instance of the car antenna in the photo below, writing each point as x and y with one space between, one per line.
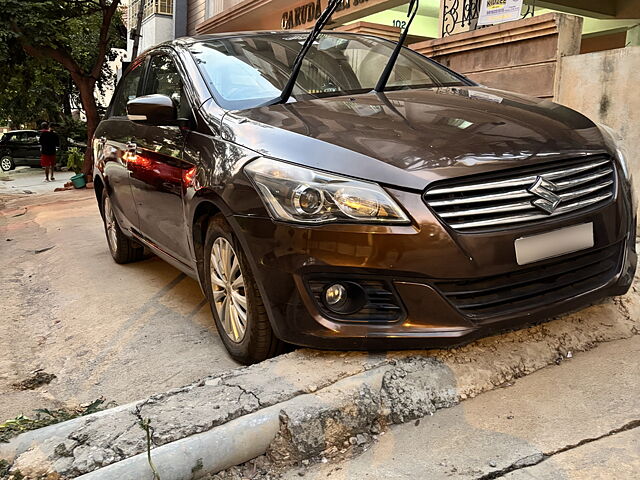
323 19
386 73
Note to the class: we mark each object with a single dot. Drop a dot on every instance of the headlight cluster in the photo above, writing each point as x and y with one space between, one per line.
298 194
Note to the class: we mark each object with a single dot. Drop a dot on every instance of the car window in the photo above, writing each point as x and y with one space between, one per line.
9 137
20 137
245 71
30 137
128 90
163 78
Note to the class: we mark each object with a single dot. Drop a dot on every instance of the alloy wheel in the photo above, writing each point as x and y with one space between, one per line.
228 287
5 164
110 224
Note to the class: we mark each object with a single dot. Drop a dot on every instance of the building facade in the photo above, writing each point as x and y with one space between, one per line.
157 23
606 24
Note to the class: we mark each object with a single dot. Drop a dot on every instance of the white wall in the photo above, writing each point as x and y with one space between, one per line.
604 87
155 29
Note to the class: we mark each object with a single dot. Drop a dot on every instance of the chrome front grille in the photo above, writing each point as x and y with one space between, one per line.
503 200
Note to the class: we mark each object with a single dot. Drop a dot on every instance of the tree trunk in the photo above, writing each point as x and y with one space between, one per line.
86 86
66 98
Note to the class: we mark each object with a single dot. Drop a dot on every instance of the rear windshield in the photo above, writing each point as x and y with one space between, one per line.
246 71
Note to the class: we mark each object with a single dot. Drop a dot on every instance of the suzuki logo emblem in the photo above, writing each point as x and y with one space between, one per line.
545 189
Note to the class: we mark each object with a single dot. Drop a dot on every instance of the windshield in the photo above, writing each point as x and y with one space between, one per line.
246 71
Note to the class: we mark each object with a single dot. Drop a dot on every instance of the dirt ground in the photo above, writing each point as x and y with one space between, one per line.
102 329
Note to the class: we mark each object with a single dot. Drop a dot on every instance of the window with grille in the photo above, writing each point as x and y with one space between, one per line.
150 7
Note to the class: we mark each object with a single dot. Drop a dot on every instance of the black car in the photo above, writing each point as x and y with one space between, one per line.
19 147
22 147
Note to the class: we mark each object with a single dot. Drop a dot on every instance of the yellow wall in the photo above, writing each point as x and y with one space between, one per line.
595 25
422 25
426 22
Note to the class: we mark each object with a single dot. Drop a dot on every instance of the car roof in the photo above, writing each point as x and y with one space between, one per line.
186 41
19 131
249 33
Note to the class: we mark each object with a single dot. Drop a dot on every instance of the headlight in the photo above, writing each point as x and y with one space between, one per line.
613 143
298 194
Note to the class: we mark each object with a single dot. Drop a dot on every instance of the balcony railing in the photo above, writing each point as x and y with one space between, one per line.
150 7
463 14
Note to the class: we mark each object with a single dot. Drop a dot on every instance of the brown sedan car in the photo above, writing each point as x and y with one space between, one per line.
424 215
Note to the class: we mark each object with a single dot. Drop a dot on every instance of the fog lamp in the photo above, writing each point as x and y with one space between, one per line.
335 295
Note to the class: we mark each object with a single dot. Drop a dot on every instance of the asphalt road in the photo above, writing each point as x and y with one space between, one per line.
121 332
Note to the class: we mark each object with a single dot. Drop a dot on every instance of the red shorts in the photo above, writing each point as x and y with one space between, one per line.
47 160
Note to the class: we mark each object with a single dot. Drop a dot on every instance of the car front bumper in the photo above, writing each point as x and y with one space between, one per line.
433 274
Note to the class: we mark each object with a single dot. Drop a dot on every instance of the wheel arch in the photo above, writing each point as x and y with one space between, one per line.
207 205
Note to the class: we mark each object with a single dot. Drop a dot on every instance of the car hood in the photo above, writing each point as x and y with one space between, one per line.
410 138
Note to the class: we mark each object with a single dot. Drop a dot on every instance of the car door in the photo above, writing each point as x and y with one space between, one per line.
156 175
31 148
20 147
115 145
11 146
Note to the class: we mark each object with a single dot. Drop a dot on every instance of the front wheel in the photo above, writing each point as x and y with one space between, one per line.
122 248
7 163
236 303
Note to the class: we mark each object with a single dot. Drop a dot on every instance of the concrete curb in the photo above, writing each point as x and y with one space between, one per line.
311 404
221 447
351 404
25 441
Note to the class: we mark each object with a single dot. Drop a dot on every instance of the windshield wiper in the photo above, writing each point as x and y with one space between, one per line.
386 73
323 19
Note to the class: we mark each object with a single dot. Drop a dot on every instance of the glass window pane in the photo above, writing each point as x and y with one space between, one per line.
164 79
128 90
246 71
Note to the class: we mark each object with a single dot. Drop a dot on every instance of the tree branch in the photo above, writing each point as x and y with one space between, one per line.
103 42
62 57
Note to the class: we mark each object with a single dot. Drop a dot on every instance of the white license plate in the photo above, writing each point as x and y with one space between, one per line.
554 244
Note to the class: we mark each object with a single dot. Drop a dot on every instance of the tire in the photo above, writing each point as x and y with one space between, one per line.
122 248
7 163
257 342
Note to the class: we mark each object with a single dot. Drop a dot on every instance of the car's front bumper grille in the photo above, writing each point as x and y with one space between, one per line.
504 199
488 297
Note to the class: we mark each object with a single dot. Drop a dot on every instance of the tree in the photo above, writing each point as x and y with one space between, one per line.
78 35
31 91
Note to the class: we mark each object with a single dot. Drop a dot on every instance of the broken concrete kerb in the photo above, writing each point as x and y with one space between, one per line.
303 405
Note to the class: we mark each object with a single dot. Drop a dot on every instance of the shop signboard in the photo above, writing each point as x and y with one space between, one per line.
310 11
499 11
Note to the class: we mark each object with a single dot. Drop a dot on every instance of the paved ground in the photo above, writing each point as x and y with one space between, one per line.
579 420
122 332
27 180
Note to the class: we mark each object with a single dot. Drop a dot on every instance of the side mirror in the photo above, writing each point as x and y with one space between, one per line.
153 109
